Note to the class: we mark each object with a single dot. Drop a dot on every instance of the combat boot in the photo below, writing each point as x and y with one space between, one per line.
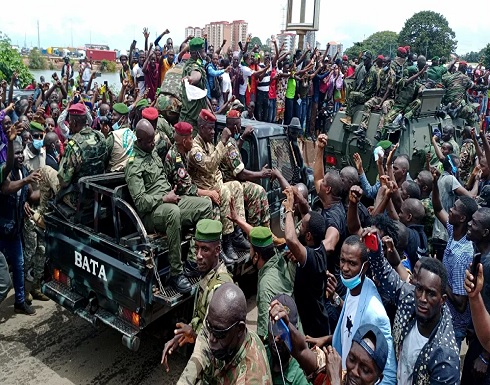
27 295
180 283
228 248
190 269
238 240
37 293
227 261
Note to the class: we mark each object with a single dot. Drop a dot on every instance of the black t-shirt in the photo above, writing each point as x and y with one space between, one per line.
50 161
417 244
309 292
363 213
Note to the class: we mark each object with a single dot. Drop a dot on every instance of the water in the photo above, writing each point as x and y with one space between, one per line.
112 78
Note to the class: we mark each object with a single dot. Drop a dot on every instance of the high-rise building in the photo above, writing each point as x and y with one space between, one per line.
310 38
239 32
193 31
218 31
334 47
289 40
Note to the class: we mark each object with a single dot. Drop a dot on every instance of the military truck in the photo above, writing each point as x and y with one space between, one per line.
107 268
414 139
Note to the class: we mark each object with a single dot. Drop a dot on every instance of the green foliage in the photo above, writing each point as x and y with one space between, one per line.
379 43
107 66
36 60
51 65
486 54
11 61
428 33
472 57
255 40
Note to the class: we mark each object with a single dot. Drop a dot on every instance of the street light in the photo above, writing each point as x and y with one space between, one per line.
303 16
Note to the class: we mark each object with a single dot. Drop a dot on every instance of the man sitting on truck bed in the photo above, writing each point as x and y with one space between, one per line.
84 155
159 207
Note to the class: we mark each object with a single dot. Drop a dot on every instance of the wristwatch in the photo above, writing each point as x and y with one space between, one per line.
336 300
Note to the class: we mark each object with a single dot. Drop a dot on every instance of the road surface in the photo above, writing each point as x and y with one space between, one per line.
55 347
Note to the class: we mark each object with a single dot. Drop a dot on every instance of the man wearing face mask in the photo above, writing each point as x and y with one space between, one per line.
195 73
120 140
52 144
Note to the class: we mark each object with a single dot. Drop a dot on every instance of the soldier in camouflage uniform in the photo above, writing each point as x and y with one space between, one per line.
233 169
204 161
84 155
234 354
168 107
399 64
195 73
436 71
383 101
363 91
214 272
467 156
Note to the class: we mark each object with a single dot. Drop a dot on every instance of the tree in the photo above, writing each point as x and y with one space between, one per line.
11 61
486 54
428 33
36 60
379 43
254 41
472 57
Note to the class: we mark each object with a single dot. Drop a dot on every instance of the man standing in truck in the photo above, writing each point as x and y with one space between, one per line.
214 274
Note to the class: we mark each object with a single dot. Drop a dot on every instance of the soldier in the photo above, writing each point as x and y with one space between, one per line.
195 73
214 274
84 155
364 90
232 168
204 160
235 354
383 101
157 204
120 140
400 63
436 71
168 107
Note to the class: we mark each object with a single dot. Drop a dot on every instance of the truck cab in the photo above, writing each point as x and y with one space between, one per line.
106 268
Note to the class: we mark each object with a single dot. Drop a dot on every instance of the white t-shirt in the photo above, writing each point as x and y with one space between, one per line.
87 73
138 72
226 85
347 325
413 344
247 72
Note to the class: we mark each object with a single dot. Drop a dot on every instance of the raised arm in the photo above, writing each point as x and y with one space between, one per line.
292 241
353 221
318 169
437 149
439 211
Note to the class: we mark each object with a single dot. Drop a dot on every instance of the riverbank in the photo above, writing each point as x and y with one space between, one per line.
56 64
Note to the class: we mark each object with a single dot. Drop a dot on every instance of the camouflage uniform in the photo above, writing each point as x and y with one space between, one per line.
175 167
467 160
172 84
386 79
398 66
428 221
364 92
170 103
148 183
204 159
404 100
248 366
456 85
254 195
162 144
84 155
191 109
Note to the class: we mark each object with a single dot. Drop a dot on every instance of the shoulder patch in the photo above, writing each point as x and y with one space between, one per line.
181 172
198 156
233 154
71 142
131 159
178 159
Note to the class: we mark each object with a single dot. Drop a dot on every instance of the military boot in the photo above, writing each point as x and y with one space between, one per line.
37 293
27 295
238 240
228 248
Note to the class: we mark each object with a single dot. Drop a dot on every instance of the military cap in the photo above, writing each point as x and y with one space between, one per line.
380 57
289 305
121 108
367 55
233 114
196 44
183 129
142 103
380 353
407 47
208 230
412 70
436 58
207 115
345 57
401 51
168 103
463 64
150 113
36 126
77 109
384 144
261 236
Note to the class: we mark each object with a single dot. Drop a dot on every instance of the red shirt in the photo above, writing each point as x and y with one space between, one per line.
152 80
273 84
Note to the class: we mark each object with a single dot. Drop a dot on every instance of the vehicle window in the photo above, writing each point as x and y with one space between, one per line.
282 159
244 152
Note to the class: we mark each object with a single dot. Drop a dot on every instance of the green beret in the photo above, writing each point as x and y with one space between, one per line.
436 58
196 44
208 230
36 126
412 70
121 108
261 236
384 144
142 103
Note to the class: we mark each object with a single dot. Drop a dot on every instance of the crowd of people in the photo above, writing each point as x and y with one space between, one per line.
377 287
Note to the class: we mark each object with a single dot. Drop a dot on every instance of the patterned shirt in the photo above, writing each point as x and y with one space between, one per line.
175 167
457 258
204 160
232 163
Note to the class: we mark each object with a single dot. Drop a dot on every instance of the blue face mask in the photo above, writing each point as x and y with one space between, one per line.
236 136
115 126
37 143
352 283
386 68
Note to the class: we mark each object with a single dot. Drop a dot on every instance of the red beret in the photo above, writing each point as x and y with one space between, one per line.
207 115
77 109
150 113
463 64
345 57
407 47
401 51
183 128
380 57
232 114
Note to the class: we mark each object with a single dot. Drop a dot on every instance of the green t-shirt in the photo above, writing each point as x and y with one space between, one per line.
291 88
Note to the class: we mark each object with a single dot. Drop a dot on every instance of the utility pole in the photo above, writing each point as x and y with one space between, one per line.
38 37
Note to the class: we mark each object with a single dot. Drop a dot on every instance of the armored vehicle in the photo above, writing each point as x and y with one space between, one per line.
107 268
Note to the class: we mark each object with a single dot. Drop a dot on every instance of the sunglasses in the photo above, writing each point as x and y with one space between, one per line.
220 334
37 136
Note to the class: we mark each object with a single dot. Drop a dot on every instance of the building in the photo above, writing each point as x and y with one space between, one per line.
289 40
310 38
193 31
239 32
334 47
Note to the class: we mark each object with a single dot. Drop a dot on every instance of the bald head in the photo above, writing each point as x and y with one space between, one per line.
227 306
350 177
50 138
145 135
412 212
302 189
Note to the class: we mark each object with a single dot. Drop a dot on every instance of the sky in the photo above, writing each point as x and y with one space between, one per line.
116 25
